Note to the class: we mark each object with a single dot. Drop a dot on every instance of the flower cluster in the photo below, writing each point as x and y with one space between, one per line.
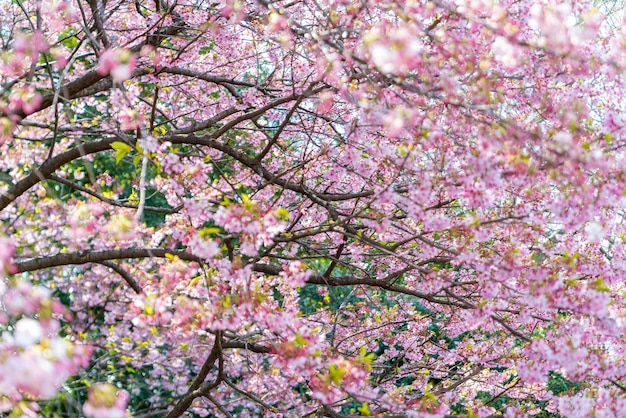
118 62
34 360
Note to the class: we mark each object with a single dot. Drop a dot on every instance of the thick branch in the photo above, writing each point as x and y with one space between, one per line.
364 281
255 348
90 256
50 166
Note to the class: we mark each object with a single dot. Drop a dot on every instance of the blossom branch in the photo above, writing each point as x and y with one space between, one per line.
112 202
125 275
88 256
50 166
196 389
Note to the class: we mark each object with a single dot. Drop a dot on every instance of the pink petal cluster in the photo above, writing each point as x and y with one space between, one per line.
34 360
106 401
119 63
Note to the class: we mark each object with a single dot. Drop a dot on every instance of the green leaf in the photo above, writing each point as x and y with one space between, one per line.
301 341
282 214
365 410
209 231
121 149
336 373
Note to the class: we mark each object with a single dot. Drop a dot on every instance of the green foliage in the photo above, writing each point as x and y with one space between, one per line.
158 200
559 385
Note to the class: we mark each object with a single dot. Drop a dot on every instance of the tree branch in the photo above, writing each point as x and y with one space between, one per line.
50 166
89 256
196 390
125 275
112 202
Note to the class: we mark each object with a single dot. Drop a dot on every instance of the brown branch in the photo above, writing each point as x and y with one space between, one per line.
125 275
74 88
112 202
50 166
282 126
618 385
459 382
196 389
205 77
198 126
334 261
211 141
253 114
98 23
98 256
249 396
255 348
218 405
89 256
364 281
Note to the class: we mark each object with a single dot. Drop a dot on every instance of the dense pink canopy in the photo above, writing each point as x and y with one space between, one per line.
312 208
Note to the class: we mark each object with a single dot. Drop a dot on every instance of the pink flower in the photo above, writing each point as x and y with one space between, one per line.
130 119
106 401
595 232
119 63
206 249
27 332
296 274
505 52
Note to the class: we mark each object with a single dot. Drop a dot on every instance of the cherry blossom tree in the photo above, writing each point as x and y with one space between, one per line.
312 208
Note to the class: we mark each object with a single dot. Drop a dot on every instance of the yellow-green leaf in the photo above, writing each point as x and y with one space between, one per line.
121 149
301 341
209 231
282 214
365 410
336 373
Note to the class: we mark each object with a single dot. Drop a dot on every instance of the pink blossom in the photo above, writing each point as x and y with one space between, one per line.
106 401
119 63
